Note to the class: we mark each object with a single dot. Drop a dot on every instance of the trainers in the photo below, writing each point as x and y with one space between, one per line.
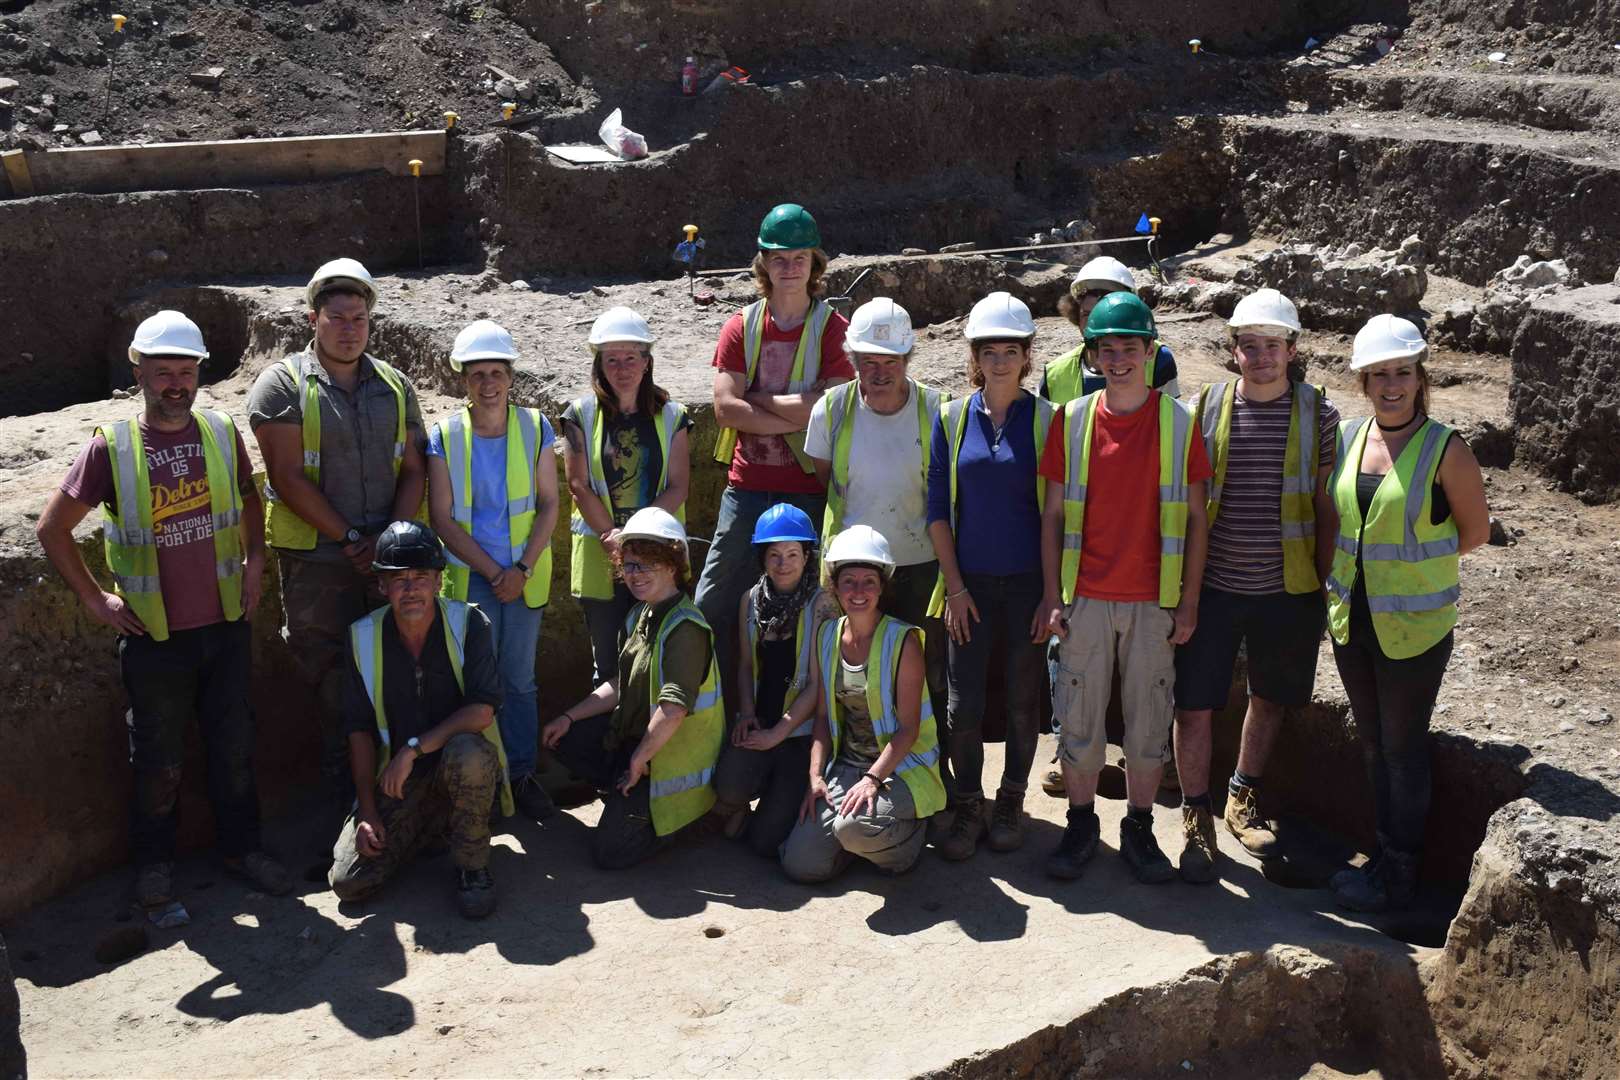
262 872
966 828
475 893
1198 847
532 800
1052 783
1078 845
1141 851
1007 821
1388 884
1244 821
154 884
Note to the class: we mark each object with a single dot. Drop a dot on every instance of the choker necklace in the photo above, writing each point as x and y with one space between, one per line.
1398 427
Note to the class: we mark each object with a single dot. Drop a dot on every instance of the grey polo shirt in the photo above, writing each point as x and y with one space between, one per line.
357 440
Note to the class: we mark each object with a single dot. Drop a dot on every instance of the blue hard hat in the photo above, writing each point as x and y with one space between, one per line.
784 521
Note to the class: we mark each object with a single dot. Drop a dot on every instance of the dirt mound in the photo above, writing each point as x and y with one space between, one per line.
290 68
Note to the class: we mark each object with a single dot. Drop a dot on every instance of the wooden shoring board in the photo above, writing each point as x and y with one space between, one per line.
229 163
16 166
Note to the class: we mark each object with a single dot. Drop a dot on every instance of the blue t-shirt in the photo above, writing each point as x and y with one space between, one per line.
491 526
998 527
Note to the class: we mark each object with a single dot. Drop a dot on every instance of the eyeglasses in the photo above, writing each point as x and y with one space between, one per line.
636 568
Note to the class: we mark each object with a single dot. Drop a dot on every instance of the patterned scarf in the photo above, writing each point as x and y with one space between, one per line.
778 613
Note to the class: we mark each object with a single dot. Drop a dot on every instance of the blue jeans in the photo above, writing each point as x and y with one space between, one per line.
732 567
516 629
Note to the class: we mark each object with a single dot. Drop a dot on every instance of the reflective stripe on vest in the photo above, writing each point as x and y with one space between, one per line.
806 371
283 528
1064 378
366 646
1411 564
804 636
953 415
1299 465
841 401
522 454
920 767
590 574
130 538
682 772
1175 459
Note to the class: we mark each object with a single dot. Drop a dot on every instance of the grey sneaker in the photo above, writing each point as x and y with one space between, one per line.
1141 851
475 893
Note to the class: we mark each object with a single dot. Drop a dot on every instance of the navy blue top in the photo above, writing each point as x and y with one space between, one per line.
998 524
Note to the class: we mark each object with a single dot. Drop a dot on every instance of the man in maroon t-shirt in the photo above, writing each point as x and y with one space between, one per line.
184 594
774 367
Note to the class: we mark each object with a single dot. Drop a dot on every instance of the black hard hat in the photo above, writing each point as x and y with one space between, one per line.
408 545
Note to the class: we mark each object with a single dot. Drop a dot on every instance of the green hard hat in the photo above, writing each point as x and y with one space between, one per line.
1120 314
787 228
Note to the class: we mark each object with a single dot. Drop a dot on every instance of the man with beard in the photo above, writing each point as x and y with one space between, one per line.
184 535
341 434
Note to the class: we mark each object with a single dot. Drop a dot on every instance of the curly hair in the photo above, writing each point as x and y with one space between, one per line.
665 553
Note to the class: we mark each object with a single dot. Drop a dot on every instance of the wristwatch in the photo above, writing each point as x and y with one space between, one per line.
528 571
352 536
414 743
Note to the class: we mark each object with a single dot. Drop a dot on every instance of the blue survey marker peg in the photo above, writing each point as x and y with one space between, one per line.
1144 225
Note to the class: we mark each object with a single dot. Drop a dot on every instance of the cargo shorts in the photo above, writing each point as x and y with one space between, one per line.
1137 637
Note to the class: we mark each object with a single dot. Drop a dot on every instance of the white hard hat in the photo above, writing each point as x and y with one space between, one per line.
1265 309
880 326
859 544
620 324
342 271
999 315
482 340
653 523
1104 272
168 333
1386 337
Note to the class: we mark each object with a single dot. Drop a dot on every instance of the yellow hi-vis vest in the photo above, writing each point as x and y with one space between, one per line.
590 574
920 767
804 637
1175 462
130 539
1301 459
1411 565
366 643
1064 377
283 528
953 415
682 772
841 401
522 454
806 370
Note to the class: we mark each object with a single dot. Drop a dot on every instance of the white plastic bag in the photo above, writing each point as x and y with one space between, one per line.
620 139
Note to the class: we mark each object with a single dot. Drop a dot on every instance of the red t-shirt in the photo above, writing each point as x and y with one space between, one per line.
182 516
765 462
1119 552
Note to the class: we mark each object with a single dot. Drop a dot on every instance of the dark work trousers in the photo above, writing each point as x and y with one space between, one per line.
1006 606
779 777
1392 702
624 833
604 621
906 598
200 674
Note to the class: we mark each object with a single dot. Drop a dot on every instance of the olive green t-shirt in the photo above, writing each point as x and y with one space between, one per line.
857 743
686 662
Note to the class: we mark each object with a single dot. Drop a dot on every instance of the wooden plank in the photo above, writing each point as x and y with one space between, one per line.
232 163
16 163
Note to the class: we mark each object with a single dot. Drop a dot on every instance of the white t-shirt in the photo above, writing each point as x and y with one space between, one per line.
886 486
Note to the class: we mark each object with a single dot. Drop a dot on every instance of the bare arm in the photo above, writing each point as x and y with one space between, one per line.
733 409
412 480
1326 537
252 551
823 470
577 470
545 507
1464 486
442 516
55 534
745 667
1192 566
679 472
820 742
282 445
665 722
1052 559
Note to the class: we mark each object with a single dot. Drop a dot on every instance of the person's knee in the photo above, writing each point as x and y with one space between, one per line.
807 867
617 852
470 757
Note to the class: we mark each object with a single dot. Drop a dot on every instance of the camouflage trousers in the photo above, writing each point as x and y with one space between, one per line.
457 792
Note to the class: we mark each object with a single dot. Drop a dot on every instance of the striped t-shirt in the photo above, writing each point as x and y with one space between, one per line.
1245 541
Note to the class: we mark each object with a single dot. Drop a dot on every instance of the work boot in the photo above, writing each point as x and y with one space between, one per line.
1052 783
532 800
1078 845
1390 886
1007 821
154 884
262 872
1198 849
1141 851
475 893
940 825
1244 821
1350 873
966 829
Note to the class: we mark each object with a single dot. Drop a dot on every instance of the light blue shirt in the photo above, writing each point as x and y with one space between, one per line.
491 525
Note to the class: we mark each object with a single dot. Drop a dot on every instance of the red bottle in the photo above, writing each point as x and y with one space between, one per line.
689 77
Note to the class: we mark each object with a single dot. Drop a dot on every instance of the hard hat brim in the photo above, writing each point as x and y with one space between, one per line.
380 567
1268 329
136 355
1357 363
485 354
364 288
856 348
